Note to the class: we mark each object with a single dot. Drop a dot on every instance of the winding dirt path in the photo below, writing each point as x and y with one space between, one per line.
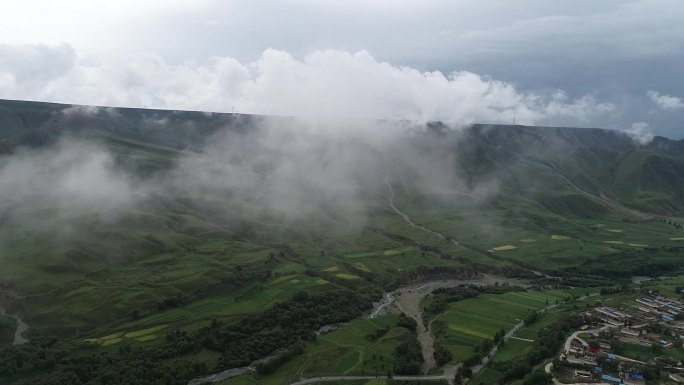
408 220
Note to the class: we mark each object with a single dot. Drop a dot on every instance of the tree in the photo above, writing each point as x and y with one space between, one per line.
656 347
616 345
458 377
537 378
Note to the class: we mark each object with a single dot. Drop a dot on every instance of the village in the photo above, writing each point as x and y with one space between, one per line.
639 342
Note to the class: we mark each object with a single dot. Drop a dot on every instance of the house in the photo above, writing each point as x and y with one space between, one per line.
611 379
647 302
611 312
582 374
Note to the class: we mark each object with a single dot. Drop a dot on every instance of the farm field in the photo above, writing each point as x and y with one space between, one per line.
486 376
473 320
667 285
531 331
512 349
344 351
362 382
646 354
247 300
98 286
561 243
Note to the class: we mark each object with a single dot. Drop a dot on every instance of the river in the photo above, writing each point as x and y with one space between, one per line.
407 300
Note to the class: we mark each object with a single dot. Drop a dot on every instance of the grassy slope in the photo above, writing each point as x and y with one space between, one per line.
173 247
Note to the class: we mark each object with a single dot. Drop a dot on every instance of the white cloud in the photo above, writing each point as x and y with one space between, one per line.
328 83
665 102
67 180
641 132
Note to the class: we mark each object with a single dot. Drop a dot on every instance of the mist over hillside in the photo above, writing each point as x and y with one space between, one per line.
159 214
365 192
98 159
93 185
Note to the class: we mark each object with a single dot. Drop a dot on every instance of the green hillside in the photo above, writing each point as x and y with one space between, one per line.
569 202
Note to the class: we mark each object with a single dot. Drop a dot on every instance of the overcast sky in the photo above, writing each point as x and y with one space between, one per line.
608 63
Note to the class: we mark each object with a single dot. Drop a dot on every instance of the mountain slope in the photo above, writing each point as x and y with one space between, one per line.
165 230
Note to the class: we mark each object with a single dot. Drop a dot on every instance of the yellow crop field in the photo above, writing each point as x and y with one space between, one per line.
504 248
144 332
361 266
283 279
148 337
347 276
111 336
111 341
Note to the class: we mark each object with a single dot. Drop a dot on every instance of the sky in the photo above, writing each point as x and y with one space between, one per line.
613 64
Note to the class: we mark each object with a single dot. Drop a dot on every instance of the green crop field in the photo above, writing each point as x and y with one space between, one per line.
242 302
646 353
473 320
513 349
245 381
486 377
342 351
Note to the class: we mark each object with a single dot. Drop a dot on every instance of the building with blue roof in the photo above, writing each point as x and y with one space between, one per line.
612 379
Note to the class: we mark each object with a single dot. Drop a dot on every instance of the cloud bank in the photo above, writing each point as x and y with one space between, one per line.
263 170
69 180
328 83
641 132
665 102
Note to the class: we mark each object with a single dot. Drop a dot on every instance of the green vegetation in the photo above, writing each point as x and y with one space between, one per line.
361 382
361 347
279 332
513 349
470 323
7 327
177 287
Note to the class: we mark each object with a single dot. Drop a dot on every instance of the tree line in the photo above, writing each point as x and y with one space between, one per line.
277 333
